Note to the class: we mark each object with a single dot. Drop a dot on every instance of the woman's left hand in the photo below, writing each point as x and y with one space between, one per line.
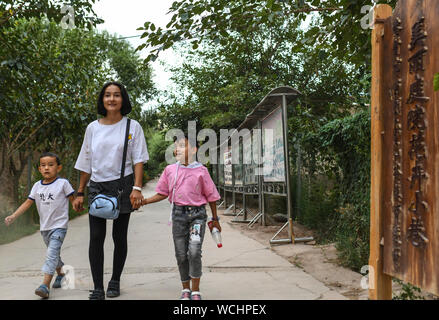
136 198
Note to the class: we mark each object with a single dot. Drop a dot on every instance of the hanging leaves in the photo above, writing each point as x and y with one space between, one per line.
339 23
436 82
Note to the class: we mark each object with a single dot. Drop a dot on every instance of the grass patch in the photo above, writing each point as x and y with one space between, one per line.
16 231
27 224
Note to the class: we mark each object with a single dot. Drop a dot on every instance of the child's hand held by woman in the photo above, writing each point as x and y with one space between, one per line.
136 198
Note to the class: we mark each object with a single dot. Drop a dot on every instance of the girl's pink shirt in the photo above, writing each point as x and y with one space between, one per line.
194 186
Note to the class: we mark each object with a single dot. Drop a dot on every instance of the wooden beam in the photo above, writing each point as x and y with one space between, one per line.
380 284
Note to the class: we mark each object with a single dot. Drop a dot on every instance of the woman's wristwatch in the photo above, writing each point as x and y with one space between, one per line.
215 219
79 194
137 188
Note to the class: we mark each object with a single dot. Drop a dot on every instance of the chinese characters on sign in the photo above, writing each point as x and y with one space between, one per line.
397 140
405 191
416 125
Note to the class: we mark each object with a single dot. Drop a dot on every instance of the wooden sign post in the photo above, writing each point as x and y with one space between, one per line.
380 285
404 239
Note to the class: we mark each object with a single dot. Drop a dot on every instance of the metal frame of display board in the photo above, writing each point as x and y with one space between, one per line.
277 98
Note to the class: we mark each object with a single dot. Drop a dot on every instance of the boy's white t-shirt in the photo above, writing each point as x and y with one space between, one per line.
52 203
102 150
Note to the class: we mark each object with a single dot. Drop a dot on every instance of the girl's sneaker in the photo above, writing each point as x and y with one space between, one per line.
42 291
185 294
196 295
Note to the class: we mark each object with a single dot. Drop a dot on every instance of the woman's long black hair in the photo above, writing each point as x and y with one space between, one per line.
126 104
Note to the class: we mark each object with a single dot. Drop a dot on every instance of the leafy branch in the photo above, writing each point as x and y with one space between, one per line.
10 13
436 82
10 152
218 21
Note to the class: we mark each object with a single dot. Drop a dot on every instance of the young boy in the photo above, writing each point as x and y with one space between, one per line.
189 187
51 196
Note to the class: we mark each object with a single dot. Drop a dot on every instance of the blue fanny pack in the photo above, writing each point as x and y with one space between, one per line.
108 207
104 207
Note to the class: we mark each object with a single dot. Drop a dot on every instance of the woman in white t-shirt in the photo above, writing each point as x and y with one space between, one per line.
100 162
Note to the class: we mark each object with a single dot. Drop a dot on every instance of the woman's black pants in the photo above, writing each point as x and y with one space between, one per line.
98 230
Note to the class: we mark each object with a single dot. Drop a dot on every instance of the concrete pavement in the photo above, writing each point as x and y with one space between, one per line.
242 269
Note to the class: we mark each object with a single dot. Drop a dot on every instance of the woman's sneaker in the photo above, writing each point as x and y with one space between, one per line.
58 280
97 294
42 291
196 295
185 294
113 289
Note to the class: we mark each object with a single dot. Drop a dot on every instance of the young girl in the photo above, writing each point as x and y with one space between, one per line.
188 186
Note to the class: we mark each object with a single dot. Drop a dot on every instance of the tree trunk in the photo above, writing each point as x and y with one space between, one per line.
10 182
8 192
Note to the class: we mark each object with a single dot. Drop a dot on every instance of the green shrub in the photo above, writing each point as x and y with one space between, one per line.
316 206
157 146
16 231
352 237
22 226
338 206
408 292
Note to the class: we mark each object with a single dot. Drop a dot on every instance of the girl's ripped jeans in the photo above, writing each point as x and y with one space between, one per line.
188 228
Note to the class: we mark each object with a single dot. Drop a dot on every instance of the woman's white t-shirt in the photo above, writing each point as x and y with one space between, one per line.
102 150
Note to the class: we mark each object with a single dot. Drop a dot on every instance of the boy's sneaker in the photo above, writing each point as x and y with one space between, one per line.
196 295
58 280
42 291
185 294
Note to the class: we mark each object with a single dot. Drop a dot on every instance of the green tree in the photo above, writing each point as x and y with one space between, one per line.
219 85
49 80
16 9
128 68
218 21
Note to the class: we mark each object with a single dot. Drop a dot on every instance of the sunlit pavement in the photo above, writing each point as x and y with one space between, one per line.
242 269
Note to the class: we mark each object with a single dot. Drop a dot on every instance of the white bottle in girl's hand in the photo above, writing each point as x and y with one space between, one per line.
216 234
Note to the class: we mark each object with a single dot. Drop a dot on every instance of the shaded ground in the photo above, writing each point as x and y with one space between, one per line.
319 261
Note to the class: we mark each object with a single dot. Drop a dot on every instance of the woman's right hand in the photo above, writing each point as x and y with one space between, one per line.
78 204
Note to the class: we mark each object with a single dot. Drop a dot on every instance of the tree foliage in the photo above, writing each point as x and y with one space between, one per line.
218 22
16 9
127 67
50 79
219 85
